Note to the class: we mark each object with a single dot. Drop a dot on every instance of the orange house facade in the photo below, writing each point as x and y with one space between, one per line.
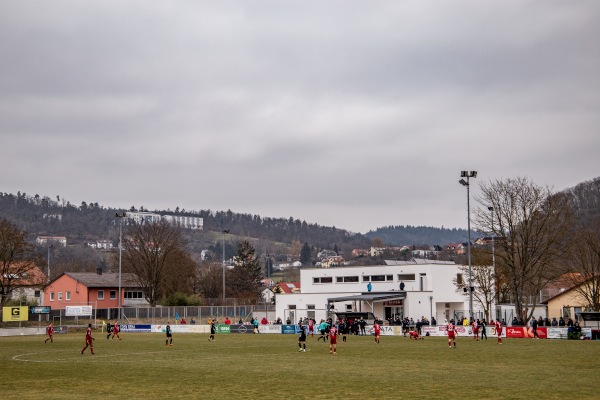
88 288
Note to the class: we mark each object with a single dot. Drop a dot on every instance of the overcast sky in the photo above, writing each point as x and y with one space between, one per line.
354 114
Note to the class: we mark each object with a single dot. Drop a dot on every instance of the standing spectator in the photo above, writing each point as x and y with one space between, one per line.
264 321
255 323
419 323
50 333
227 321
363 326
89 339
554 321
433 321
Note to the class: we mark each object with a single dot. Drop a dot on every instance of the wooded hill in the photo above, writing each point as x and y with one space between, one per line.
41 216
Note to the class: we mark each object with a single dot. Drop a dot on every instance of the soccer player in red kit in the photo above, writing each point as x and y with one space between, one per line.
475 327
498 326
311 327
89 340
50 333
451 330
333 333
115 331
376 331
414 335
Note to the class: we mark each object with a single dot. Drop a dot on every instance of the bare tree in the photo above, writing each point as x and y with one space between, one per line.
17 258
210 280
531 226
148 252
584 263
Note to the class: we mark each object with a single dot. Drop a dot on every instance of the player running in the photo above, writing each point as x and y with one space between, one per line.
50 333
89 340
415 335
498 326
169 341
302 339
333 333
451 331
376 329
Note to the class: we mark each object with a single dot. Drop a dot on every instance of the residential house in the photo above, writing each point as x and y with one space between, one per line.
568 302
97 289
27 285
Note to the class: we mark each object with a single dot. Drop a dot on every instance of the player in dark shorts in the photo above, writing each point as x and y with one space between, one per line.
89 340
169 341
344 329
302 339
213 330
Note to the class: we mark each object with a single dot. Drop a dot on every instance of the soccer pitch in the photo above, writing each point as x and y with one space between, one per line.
245 366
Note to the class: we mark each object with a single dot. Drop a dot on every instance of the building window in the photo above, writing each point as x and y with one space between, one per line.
51 296
311 311
346 279
68 296
378 278
59 296
37 293
348 307
459 279
100 294
113 294
323 279
134 295
406 277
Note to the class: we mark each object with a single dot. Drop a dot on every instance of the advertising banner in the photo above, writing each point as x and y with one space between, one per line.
40 310
136 328
223 328
78 311
290 329
17 313
60 329
385 330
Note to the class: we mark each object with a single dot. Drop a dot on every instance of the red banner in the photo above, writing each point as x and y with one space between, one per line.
525 332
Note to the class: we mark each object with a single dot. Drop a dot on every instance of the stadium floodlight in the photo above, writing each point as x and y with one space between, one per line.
120 216
469 174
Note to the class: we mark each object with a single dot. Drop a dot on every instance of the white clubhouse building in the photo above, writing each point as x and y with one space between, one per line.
428 290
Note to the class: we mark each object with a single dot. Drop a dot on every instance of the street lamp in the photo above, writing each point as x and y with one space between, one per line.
491 209
469 174
49 247
224 231
120 216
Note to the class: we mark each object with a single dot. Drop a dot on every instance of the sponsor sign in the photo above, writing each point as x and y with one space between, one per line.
40 310
223 328
290 329
77 311
18 313
136 328
385 330
60 329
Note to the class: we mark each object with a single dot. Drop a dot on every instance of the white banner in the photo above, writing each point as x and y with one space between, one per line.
76 311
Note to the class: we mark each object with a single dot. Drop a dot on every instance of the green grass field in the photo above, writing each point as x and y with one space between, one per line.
270 366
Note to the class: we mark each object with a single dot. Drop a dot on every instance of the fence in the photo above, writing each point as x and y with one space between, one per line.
200 314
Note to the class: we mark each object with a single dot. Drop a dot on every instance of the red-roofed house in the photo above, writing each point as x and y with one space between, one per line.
96 289
26 282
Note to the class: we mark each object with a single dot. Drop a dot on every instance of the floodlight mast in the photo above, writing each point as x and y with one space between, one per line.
468 175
